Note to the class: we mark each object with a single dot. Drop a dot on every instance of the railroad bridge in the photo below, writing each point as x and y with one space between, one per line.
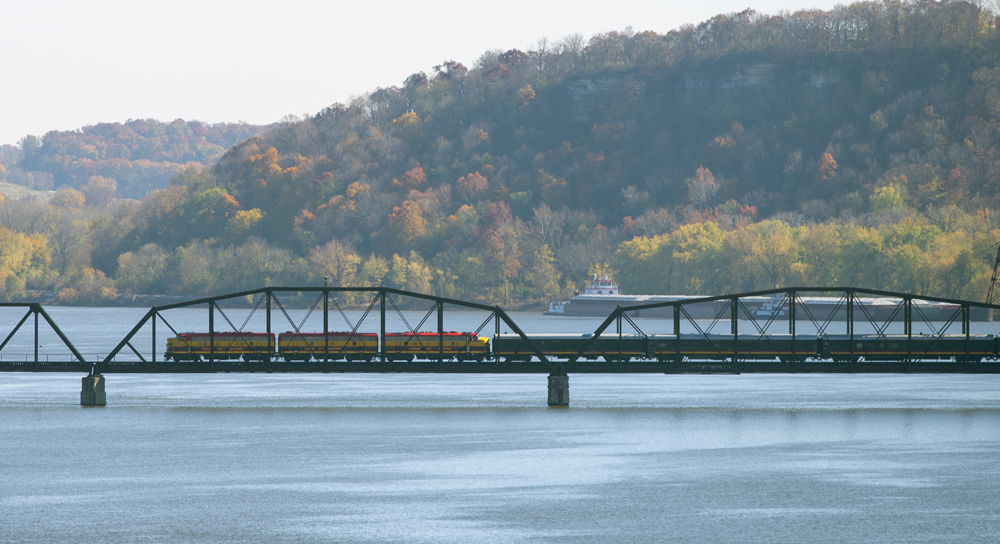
790 332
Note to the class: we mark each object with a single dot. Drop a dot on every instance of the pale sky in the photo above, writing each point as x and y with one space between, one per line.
68 64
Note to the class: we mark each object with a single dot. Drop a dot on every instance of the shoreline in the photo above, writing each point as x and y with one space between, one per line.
51 298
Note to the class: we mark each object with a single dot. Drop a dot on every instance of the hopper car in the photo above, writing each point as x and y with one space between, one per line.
783 347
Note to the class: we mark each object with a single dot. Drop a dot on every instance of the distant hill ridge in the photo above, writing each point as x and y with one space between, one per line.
140 155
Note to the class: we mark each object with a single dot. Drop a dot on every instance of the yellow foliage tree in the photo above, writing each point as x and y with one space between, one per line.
827 168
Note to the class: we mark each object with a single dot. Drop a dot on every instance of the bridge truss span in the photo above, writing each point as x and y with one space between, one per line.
820 329
414 349
803 330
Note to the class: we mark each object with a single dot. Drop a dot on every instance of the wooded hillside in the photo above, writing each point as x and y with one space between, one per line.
851 147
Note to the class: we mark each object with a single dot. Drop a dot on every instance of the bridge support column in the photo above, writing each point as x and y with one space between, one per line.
92 393
558 390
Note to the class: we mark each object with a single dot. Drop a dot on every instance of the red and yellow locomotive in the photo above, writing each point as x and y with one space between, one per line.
332 346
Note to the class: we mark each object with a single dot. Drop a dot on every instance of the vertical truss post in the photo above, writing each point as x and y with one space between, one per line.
382 322
908 326
440 318
850 323
211 333
36 339
965 328
850 314
267 312
326 326
733 315
734 319
154 335
619 326
791 322
791 315
677 333
906 314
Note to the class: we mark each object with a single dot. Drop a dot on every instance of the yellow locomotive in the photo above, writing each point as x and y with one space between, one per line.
194 346
465 346
333 346
302 346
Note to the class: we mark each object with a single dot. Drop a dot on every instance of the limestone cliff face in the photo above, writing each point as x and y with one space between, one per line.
745 91
591 93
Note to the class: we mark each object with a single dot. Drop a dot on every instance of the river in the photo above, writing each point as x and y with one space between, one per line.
455 458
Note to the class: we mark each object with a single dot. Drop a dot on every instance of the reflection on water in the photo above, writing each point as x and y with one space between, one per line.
441 458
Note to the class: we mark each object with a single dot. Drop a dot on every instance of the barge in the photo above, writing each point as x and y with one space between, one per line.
603 295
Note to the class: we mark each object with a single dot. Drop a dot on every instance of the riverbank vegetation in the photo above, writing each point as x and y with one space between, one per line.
857 146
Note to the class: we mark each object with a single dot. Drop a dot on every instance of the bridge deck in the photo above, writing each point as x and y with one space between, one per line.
531 367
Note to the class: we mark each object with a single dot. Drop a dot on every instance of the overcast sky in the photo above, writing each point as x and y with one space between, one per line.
73 63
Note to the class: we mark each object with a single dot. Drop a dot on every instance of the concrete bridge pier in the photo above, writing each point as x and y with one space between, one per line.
92 393
558 390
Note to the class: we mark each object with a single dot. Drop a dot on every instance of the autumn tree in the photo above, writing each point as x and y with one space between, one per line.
99 191
470 186
543 277
373 271
500 249
336 260
702 187
762 255
242 223
69 241
19 255
827 168
142 270
68 198
408 223
413 178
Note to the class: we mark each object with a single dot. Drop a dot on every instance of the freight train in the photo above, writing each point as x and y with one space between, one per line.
467 346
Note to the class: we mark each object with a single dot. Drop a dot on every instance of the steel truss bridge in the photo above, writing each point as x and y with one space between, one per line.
847 334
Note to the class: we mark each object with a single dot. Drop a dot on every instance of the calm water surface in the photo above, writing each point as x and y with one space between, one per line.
428 458
418 458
